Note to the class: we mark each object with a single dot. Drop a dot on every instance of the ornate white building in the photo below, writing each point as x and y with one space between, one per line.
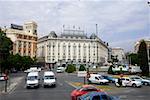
72 46
24 38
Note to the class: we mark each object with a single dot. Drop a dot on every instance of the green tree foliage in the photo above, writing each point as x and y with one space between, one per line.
143 58
110 71
114 58
70 68
20 62
82 68
6 45
133 59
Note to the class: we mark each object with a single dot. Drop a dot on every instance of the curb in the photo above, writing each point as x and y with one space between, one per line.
12 86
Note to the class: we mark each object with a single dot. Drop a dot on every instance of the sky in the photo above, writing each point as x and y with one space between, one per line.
120 22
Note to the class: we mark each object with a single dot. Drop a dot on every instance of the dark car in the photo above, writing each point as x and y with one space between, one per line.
97 96
109 78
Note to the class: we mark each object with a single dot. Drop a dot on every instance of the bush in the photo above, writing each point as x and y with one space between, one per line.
110 71
70 68
82 68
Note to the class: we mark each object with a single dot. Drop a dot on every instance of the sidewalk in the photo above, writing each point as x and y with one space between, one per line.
11 84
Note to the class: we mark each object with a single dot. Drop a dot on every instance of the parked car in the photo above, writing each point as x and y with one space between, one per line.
134 69
2 77
109 78
83 90
98 79
32 80
60 70
97 96
126 81
143 80
49 79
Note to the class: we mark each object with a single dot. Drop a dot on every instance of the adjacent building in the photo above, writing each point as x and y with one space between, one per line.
24 38
71 46
119 54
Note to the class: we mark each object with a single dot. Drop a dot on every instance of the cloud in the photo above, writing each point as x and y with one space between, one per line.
118 20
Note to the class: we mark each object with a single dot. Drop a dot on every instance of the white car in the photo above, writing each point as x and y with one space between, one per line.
32 80
2 78
143 80
60 70
126 81
98 79
49 79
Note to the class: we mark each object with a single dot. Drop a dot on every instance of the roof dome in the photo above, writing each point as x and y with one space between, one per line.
93 36
52 34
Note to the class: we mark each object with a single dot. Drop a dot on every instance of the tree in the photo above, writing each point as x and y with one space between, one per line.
114 58
133 59
70 68
82 68
6 45
110 71
20 63
143 58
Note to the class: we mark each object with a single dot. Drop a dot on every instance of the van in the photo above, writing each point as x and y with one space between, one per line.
98 79
32 80
49 79
60 70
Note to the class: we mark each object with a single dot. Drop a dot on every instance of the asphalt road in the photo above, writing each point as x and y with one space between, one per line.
63 89
60 92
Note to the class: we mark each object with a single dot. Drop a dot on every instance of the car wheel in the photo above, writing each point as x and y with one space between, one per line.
44 86
145 83
134 85
89 82
101 83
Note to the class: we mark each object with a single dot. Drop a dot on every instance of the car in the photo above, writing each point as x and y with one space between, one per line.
144 81
60 70
97 96
109 78
126 81
3 77
98 79
49 79
83 90
32 80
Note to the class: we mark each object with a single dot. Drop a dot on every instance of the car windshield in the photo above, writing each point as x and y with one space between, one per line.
49 77
89 89
32 78
100 77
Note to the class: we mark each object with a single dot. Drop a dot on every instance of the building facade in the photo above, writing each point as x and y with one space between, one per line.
72 46
24 38
136 47
119 53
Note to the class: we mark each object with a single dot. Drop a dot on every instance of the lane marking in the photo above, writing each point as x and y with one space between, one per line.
71 84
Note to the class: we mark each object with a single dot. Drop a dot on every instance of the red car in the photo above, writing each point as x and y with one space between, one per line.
83 90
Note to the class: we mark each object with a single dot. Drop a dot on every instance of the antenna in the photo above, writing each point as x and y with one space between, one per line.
96 30
63 28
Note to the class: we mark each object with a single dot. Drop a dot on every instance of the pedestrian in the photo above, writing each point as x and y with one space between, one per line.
119 82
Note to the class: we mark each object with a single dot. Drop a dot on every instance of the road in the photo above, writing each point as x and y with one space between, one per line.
63 89
61 92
